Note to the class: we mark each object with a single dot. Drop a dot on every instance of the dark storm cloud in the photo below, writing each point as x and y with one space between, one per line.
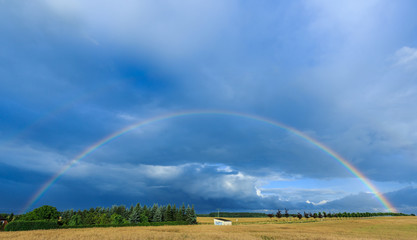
73 72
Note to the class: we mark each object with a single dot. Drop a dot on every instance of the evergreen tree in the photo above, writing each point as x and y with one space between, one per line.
75 220
157 217
190 216
116 219
103 219
143 217
183 218
174 213
135 215
164 212
113 210
146 211
90 217
152 211
299 216
130 210
169 215
66 216
178 215
193 219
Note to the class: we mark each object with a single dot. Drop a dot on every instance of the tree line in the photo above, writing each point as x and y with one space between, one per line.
308 215
234 214
135 214
47 217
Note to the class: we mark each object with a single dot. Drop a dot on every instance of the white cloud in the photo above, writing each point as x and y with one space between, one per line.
317 203
160 172
406 57
31 158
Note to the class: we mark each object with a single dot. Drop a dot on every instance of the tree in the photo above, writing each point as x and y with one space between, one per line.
306 215
190 216
193 219
116 218
90 217
270 216
135 215
153 210
168 213
75 220
146 211
320 215
103 219
164 213
42 213
66 215
157 217
182 212
279 215
299 216
130 210
286 213
10 217
174 213
143 218
178 215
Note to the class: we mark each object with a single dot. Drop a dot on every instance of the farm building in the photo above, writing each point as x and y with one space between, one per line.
3 222
222 221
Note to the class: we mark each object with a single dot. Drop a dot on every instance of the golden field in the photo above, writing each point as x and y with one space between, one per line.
247 228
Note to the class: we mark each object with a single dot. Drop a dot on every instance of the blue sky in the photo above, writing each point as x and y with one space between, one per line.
344 73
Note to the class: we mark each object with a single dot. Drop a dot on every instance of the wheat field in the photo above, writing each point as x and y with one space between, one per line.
247 228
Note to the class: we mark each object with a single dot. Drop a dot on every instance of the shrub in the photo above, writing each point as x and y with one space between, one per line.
31 225
129 224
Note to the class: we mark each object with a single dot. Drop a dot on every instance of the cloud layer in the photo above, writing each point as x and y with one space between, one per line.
73 72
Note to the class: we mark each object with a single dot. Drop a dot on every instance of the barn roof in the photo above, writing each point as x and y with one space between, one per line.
222 219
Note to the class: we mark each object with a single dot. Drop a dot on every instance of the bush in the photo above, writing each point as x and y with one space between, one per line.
30 225
129 224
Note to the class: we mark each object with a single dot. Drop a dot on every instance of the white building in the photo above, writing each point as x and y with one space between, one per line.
222 221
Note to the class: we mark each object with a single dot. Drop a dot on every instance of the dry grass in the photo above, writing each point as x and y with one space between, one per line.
251 228
239 221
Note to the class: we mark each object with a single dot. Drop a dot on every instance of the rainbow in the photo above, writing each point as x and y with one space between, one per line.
387 205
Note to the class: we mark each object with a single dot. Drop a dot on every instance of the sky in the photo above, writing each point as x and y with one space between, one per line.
340 72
